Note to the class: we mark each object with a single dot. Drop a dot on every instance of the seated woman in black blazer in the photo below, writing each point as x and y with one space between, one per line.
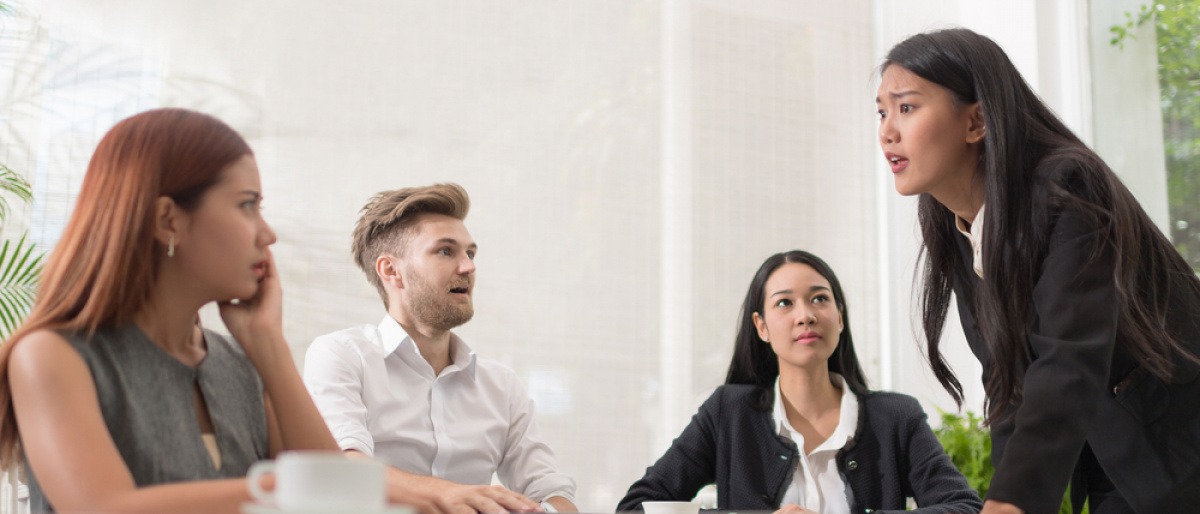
781 433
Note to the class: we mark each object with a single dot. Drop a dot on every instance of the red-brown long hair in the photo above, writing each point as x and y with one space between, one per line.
104 267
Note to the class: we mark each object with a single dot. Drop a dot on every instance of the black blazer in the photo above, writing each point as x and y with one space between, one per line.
1084 385
893 456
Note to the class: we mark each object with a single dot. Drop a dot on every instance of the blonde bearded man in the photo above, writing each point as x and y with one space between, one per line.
409 392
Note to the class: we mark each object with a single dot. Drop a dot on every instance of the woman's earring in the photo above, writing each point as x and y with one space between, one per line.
171 246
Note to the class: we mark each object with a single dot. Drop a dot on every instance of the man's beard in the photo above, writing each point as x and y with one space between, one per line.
435 308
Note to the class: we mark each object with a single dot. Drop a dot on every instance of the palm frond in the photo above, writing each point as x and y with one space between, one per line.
20 267
15 184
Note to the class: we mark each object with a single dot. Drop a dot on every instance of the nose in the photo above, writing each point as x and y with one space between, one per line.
466 265
887 133
266 236
806 317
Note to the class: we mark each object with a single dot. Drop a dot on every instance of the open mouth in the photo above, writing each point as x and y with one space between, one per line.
460 290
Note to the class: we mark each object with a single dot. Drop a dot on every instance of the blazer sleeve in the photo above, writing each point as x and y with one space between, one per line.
937 485
1072 339
688 465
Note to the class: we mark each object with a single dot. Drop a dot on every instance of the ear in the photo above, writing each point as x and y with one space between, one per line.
976 129
388 269
168 220
761 326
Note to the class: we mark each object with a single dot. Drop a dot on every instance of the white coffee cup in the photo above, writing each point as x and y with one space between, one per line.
320 481
671 507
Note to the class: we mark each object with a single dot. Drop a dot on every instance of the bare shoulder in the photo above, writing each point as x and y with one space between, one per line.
60 420
44 355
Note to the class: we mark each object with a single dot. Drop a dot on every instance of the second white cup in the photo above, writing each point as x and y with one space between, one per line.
671 507
320 480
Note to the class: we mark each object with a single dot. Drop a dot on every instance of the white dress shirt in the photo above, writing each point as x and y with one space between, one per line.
975 235
816 483
380 397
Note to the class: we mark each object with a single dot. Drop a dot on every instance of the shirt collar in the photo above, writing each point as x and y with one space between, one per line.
975 235
847 418
393 338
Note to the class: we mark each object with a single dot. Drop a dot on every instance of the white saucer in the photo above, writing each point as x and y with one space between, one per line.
259 508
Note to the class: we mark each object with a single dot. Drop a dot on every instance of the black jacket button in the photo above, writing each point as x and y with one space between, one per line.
853 465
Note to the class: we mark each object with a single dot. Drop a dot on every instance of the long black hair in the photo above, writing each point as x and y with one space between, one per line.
755 363
1031 167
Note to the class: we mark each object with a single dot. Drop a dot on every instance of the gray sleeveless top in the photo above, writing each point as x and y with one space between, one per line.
146 397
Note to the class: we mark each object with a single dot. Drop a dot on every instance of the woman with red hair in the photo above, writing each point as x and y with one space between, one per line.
119 400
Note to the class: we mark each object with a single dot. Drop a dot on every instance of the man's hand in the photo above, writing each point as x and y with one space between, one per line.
430 495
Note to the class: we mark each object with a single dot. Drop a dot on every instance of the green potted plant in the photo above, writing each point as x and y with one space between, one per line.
969 446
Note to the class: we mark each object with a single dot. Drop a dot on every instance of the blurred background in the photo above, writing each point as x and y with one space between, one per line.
631 163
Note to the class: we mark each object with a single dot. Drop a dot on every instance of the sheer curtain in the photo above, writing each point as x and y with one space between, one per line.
558 118
630 165
572 126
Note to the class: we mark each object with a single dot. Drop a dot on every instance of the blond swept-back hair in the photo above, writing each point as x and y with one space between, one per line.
385 225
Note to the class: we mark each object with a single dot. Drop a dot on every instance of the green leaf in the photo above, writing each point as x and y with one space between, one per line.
20 267
969 446
14 184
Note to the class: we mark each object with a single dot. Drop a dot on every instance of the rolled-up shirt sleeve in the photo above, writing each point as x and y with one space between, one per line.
333 374
529 465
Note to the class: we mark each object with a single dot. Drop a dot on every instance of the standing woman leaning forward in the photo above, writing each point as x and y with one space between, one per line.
794 427
1085 318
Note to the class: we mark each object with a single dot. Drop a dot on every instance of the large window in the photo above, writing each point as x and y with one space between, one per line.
1176 24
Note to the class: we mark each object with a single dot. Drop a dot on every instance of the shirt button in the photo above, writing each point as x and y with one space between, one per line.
853 465
783 456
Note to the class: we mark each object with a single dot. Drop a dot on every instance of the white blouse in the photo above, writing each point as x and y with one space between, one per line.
816 483
975 235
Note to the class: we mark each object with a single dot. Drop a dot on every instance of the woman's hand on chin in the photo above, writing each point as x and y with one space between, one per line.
257 322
